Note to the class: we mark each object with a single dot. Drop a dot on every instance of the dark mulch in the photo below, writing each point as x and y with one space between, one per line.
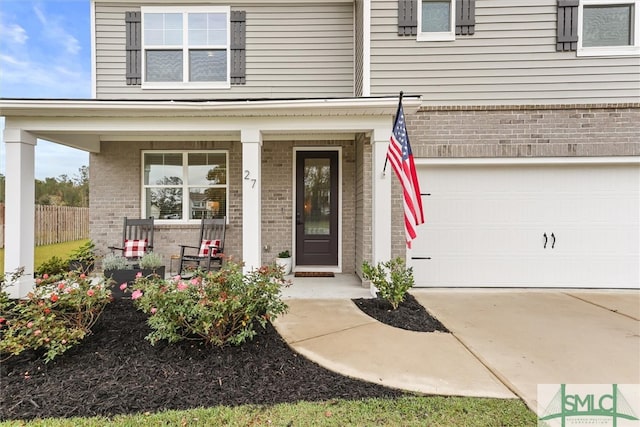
116 371
410 314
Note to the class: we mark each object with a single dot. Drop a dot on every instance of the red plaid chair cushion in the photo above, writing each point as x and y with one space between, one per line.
206 245
134 248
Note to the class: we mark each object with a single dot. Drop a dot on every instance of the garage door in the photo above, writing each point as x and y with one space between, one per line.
529 225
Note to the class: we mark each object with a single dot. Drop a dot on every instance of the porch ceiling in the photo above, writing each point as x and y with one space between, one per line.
85 124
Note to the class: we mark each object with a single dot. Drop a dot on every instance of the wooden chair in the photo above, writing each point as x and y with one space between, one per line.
137 238
207 255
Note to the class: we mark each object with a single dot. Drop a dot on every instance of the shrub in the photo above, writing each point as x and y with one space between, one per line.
53 266
284 254
151 260
6 304
220 307
113 261
57 315
83 258
392 278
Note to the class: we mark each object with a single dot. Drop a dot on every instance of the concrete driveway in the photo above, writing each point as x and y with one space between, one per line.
531 337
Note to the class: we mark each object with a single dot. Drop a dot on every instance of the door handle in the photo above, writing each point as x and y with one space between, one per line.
553 243
546 239
298 218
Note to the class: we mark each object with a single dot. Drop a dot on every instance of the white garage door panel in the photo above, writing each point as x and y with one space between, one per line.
486 226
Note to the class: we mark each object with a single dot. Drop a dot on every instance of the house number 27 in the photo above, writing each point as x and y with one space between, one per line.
247 176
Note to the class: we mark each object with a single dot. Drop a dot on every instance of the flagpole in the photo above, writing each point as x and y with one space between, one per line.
386 159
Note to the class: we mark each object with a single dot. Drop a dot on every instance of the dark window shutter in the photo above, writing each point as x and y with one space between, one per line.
567 37
133 24
407 17
465 17
238 64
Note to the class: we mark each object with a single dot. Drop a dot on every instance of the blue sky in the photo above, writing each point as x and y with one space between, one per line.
45 52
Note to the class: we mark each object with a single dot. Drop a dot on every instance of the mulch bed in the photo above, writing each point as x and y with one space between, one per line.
116 371
409 315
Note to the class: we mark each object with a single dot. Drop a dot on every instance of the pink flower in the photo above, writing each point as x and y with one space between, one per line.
83 276
138 274
61 285
182 286
45 276
136 294
54 297
195 281
153 310
37 332
90 292
177 277
38 281
30 324
123 286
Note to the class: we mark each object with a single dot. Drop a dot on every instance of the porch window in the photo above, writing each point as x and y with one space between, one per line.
608 27
186 47
183 186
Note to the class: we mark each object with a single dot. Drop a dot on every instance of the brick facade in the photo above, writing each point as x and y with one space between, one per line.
115 192
278 197
536 131
549 131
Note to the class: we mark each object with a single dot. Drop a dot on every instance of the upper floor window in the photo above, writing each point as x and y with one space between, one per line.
185 47
184 185
608 27
436 20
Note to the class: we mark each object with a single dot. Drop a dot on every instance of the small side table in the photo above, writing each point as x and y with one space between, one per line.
173 257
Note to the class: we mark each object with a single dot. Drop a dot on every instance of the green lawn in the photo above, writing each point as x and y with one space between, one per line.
408 411
43 253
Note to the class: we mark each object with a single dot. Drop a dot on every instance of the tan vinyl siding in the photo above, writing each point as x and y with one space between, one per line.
359 48
511 59
292 51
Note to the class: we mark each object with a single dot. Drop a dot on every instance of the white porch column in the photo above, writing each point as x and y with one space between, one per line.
381 250
251 198
20 209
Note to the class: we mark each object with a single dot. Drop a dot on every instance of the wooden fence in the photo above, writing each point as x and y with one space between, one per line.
55 224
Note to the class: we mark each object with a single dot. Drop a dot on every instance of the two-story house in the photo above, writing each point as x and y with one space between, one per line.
524 119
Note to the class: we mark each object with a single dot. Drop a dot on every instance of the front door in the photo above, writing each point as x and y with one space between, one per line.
317 208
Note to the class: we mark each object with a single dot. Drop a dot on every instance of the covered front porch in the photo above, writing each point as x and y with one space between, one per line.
117 132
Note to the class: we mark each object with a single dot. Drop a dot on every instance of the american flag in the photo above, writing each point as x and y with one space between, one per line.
401 158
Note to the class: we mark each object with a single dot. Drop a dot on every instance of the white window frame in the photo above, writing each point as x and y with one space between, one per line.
186 205
633 49
438 36
186 84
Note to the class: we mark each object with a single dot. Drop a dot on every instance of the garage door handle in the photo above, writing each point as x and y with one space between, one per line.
546 239
553 243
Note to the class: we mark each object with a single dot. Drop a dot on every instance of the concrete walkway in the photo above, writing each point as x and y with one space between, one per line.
503 342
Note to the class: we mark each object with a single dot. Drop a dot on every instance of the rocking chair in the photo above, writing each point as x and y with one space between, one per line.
207 255
137 238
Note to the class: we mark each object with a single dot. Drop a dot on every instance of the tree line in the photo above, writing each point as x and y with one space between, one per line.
60 191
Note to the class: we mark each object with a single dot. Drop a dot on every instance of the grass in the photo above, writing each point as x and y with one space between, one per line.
43 253
406 411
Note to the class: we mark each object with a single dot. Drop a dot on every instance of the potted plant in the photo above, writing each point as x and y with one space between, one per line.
284 261
151 263
118 269
83 259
